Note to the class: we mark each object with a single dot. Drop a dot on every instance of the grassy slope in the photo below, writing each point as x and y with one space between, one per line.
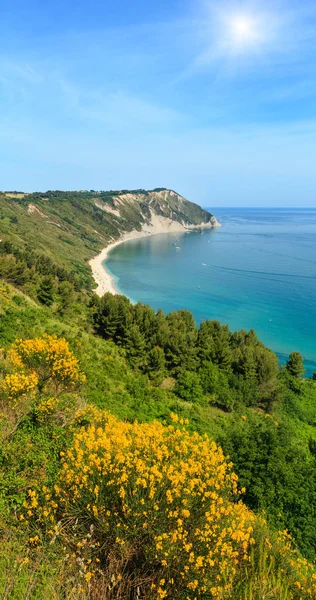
110 383
113 385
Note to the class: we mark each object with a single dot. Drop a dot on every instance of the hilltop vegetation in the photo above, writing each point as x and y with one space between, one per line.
116 427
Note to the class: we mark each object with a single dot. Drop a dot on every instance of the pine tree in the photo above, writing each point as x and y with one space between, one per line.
66 295
214 342
46 291
156 365
135 345
181 349
295 366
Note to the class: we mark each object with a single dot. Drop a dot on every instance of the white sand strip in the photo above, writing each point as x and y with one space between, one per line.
104 279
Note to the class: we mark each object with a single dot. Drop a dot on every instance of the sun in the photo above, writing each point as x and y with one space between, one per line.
242 31
243 28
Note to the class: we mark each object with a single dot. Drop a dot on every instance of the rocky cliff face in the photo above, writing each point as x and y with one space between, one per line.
156 210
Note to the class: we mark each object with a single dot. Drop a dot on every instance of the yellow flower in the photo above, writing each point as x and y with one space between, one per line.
173 490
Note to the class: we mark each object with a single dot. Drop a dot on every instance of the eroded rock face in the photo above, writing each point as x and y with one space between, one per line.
165 204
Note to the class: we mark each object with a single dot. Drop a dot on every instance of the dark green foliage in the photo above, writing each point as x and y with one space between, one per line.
135 345
111 316
215 383
214 342
46 290
295 366
67 296
233 368
40 277
188 387
156 365
180 348
279 477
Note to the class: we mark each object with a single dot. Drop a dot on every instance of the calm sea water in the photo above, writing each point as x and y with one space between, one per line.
258 271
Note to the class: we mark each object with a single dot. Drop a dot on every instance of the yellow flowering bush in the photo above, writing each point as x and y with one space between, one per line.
50 358
160 493
17 385
47 406
17 394
157 508
36 374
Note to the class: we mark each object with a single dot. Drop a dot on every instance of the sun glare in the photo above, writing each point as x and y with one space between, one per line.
243 28
243 31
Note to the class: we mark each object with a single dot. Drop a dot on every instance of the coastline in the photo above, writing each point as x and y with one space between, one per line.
102 277
104 280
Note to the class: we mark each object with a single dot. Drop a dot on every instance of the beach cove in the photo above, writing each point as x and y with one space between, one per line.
158 226
258 271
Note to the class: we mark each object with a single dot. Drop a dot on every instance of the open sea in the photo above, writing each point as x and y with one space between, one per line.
257 271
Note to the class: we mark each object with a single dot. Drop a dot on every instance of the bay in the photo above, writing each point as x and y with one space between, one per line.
257 271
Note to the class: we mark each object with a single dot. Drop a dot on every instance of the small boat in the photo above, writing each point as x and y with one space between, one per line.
178 248
204 265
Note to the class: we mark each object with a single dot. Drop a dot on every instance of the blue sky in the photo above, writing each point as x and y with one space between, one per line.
120 94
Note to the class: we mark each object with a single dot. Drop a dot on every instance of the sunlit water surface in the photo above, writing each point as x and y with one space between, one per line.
258 271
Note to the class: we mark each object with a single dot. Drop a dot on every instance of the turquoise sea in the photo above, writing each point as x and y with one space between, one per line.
258 271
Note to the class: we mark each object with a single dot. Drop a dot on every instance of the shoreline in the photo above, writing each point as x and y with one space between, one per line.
104 280
102 277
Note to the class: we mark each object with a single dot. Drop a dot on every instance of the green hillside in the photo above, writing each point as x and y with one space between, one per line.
84 378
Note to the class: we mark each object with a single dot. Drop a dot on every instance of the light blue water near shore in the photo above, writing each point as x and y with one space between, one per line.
257 271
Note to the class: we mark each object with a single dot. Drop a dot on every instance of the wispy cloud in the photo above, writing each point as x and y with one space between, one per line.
119 110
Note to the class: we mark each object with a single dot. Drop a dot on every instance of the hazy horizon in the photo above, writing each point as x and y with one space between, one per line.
212 98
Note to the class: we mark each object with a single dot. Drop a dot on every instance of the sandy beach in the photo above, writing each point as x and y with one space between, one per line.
104 279
101 276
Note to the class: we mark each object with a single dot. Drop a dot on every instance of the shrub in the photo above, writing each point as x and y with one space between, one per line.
157 509
36 367
50 358
188 386
159 501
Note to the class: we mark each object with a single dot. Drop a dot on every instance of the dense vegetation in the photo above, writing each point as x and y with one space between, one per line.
213 367
109 487
42 278
209 363
98 507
